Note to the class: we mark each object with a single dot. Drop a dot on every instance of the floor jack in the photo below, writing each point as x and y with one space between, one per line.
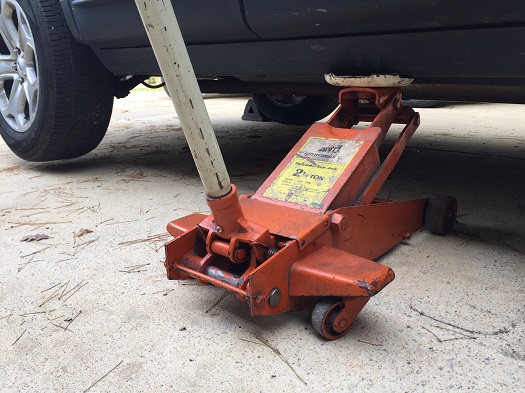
310 233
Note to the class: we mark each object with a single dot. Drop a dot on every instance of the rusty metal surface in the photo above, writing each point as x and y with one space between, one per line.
211 280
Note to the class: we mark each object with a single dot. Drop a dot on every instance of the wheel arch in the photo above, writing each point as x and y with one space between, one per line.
70 19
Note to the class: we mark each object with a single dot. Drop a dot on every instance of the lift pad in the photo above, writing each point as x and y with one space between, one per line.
311 232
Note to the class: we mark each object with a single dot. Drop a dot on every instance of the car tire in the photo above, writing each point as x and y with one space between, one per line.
56 99
294 110
422 103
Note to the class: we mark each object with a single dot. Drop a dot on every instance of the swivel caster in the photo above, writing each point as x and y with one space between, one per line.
324 317
332 317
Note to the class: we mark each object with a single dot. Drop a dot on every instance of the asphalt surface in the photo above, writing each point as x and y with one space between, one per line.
90 308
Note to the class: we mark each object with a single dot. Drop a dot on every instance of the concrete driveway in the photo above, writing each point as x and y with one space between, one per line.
90 307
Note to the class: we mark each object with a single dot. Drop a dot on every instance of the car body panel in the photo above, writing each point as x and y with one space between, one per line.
117 24
435 42
477 55
289 19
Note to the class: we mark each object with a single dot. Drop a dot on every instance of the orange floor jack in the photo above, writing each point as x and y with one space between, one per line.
310 233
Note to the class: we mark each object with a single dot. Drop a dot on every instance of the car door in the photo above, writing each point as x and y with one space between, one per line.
286 19
110 24
212 21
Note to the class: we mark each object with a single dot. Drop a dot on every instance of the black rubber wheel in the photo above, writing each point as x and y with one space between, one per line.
323 317
294 110
440 214
56 97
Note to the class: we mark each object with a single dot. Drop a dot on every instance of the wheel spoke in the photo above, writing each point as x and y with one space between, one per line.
8 30
6 103
17 102
19 83
31 97
6 67
25 37
5 111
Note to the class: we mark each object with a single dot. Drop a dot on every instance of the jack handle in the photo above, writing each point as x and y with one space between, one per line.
168 45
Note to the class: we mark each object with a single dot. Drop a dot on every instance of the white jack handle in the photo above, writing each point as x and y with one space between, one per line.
166 40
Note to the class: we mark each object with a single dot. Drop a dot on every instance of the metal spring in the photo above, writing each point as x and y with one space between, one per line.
271 252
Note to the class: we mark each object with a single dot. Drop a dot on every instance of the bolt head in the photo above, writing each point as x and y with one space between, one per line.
15 66
219 229
397 103
344 224
20 80
275 297
339 223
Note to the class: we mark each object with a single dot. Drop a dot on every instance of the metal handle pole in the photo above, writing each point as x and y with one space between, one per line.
168 45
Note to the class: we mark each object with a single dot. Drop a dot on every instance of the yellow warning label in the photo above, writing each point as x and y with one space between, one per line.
312 172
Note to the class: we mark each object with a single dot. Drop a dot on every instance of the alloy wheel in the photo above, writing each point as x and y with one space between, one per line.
19 83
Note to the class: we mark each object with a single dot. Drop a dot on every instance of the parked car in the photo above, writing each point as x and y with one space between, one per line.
63 61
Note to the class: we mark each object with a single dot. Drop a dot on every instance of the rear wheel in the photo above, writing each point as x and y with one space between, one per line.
55 96
422 103
294 110
440 214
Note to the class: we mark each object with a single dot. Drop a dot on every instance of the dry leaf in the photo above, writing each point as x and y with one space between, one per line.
83 232
34 238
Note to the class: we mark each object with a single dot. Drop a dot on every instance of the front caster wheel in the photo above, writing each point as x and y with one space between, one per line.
324 317
440 214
